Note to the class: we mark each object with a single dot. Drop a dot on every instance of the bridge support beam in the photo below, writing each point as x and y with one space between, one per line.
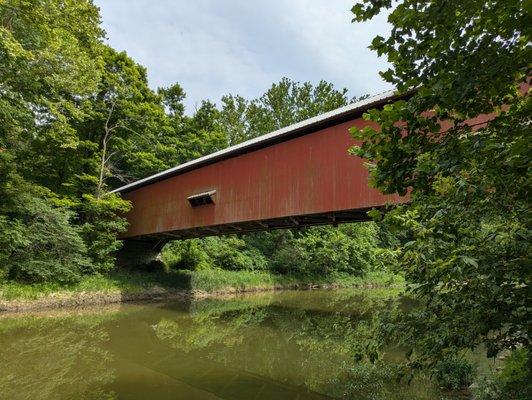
135 253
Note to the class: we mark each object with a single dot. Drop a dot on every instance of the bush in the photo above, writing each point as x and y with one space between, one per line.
454 373
229 253
516 367
326 250
514 382
100 226
42 245
349 249
186 254
290 258
269 242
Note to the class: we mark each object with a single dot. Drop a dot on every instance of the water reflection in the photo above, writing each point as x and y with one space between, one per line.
285 345
53 358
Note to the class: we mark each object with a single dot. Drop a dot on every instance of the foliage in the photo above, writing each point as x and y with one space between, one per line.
50 60
350 249
76 119
512 382
467 227
290 258
228 253
516 367
454 373
49 55
42 245
231 254
37 241
185 254
123 122
100 228
323 250
285 103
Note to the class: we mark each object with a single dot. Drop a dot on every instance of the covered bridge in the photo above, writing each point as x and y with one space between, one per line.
297 176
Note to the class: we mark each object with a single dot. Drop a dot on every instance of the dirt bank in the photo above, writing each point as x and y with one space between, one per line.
83 299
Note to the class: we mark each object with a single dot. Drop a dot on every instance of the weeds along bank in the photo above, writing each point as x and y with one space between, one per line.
123 286
347 256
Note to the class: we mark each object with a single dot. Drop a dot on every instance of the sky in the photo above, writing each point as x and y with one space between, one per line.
217 47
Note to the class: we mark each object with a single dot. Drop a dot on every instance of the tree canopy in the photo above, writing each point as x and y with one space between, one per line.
77 118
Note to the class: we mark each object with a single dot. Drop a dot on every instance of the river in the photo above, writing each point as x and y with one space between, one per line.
266 346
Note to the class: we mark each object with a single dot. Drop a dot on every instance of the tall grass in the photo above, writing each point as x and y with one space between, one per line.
208 280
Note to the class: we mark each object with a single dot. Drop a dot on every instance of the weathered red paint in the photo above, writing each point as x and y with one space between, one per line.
309 174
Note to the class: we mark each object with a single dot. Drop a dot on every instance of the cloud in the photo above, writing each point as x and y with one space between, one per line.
214 47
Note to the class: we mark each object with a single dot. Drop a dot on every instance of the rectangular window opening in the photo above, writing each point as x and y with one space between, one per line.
201 199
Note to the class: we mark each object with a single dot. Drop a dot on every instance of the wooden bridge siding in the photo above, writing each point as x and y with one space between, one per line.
306 175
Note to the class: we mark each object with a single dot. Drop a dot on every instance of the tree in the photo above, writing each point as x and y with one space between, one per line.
229 253
126 121
38 243
76 118
283 104
49 55
467 227
349 249
202 133
50 58
173 97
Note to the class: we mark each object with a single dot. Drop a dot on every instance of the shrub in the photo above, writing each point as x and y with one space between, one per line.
42 245
269 242
186 254
290 258
229 253
516 367
350 249
101 225
486 389
514 382
454 373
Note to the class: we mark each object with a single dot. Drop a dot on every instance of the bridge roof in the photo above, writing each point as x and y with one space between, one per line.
307 126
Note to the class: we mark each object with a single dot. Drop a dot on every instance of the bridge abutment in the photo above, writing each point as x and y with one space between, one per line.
136 253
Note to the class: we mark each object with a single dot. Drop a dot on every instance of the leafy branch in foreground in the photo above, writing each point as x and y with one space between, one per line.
466 248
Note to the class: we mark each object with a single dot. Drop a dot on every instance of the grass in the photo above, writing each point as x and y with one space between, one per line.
208 280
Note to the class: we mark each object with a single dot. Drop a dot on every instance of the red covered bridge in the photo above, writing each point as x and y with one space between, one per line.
297 176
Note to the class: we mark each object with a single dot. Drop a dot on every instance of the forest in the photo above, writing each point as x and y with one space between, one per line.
78 119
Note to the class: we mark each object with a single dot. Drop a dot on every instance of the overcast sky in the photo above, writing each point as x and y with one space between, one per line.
216 47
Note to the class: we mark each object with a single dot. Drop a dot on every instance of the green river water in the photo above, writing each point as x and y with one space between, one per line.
267 346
